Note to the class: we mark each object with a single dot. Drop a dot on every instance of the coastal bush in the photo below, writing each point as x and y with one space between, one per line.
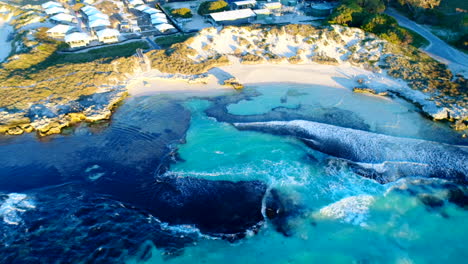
182 12
209 7
251 58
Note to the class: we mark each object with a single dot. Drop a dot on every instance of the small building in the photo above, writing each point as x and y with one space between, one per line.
272 5
158 15
89 2
164 27
151 11
90 10
108 35
262 13
59 31
158 20
55 10
133 3
234 17
63 18
77 39
141 7
243 4
321 10
97 16
50 4
99 24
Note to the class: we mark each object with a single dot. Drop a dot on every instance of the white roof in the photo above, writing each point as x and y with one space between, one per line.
99 23
164 27
62 17
76 36
161 15
90 10
151 11
55 10
60 29
158 20
141 7
50 4
264 11
246 2
274 5
98 16
108 32
136 2
232 15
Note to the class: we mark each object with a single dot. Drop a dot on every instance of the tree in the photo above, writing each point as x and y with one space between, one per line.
212 7
182 12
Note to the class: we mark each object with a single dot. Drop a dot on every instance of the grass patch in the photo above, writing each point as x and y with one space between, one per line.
167 41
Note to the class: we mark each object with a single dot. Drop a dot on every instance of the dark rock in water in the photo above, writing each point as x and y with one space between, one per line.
458 197
431 201
280 211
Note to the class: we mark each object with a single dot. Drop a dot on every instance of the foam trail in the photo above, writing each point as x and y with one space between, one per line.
12 208
397 157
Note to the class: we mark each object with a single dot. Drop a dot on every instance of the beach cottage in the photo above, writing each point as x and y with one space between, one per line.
77 39
55 10
164 27
63 18
50 4
243 4
108 35
59 31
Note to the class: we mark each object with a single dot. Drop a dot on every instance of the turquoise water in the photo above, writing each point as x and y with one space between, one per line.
344 218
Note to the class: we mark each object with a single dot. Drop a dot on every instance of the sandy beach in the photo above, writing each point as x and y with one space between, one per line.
342 77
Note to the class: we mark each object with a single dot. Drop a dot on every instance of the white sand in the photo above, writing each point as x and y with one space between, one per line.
343 77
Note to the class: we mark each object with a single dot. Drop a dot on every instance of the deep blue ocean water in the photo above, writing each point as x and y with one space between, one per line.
54 208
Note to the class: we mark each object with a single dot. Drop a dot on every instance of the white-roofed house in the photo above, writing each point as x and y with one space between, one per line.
55 10
272 5
151 11
99 24
158 20
164 27
59 31
133 3
77 39
97 16
141 7
234 17
159 15
262 13
108 35
50 4
63 18
89 2
244 4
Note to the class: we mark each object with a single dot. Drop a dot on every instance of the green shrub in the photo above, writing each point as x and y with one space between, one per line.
182 12
212 7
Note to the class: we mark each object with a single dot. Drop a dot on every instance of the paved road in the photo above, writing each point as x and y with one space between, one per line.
437 48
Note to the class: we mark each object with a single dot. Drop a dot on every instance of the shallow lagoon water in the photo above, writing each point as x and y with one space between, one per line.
343 217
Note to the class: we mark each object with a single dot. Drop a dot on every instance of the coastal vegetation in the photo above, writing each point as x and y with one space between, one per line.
368 15
182 12
212 7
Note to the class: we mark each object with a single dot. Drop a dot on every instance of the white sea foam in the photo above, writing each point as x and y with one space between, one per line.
353 210
15 205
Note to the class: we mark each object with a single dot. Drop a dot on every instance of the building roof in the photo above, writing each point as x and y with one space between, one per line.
97 16
245 2
164 27
322 6
55 10
136 2
161 15
62 17
141 7
60 29
108 32
151 11
274 5
158 20
232 15
90 10
264 11
50 4
99 23
77 36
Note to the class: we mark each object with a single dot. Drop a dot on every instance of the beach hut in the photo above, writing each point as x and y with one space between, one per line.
59 31
234 17
108 35
99 24
63 18
158 20
50 4
77 39
55 10
164 27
